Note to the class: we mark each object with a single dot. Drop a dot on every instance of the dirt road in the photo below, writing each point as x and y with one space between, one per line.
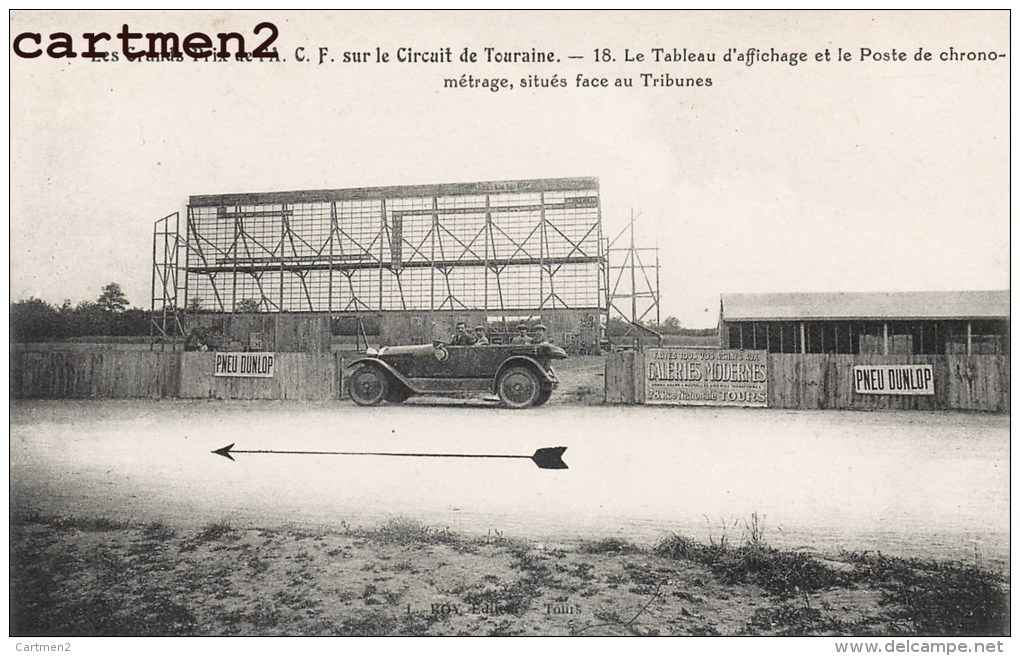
925 484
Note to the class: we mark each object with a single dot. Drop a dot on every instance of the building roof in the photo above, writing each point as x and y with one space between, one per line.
866 305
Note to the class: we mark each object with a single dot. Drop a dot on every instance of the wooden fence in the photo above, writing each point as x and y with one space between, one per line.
825 381
169 374
802 381
94 374
962 382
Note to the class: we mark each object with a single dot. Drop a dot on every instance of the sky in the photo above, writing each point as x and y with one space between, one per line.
823 176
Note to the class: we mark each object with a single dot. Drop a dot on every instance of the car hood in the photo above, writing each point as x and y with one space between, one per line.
416 349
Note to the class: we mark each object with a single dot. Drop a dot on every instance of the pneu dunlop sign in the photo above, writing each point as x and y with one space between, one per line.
245 365
692 376
911 379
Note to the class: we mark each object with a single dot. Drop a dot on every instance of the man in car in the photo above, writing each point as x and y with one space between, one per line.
480 338
462 337
522 335
540 335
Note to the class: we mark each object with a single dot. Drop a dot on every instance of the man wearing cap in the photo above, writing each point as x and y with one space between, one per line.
540 335
462 337
522 335
480 338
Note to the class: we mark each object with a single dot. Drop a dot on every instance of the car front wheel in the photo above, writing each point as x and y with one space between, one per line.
518 387
368 385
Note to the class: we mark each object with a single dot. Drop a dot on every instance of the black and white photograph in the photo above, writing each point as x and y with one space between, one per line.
515 323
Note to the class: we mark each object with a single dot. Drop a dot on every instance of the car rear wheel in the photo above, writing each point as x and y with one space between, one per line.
518 387
368 385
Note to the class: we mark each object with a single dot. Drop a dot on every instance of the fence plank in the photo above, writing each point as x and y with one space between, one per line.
979 382
782 380
624 377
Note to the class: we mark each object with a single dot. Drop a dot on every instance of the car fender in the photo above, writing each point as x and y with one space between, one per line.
368 359
519 360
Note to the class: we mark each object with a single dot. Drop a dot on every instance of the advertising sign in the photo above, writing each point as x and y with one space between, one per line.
899 379
692 376
245 365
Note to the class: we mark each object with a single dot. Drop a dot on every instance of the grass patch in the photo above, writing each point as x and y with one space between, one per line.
82 580
681 547
917 597
93 525
504 598
495 538
401 530
936 598
158 531
210 533
497 597
789 620
782 573
607 546
215 531
88 524
367 624
101 613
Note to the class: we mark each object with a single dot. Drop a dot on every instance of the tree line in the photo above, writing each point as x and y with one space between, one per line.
669 326
35 320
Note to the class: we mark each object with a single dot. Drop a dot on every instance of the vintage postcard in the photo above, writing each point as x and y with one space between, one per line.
510 323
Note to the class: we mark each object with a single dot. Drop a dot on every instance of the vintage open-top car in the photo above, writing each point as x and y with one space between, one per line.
520 374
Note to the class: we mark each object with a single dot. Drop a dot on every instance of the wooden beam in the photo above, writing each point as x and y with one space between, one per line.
382 254
403 191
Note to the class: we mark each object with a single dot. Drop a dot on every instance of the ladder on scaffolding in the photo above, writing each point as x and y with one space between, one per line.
165 326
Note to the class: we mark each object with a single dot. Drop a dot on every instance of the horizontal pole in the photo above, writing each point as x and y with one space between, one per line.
228 265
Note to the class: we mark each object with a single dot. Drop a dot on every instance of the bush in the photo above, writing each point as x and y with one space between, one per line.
944 599
35 321
779 572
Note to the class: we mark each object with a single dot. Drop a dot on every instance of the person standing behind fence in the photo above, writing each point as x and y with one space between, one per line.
196 341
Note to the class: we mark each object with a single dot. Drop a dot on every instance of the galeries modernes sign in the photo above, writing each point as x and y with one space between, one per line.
702 376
